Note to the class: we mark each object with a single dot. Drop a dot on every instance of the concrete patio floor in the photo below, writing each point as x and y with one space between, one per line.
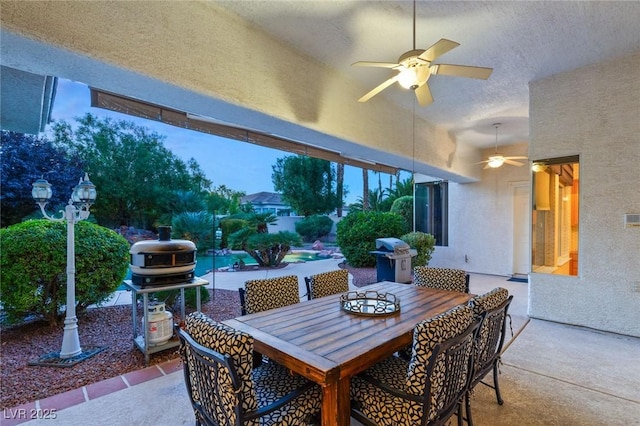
552 374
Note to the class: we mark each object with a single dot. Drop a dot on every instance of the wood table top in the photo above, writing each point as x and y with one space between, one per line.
322 342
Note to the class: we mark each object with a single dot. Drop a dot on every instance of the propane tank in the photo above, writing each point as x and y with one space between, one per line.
159 327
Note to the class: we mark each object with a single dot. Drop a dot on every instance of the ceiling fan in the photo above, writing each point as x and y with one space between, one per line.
496 160
416 66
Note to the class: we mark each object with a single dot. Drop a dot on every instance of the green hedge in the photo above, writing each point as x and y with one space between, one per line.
228 227
404 207
357 233
424 245
34 263
314 227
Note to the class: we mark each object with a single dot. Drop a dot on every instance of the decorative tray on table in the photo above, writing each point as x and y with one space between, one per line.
370 303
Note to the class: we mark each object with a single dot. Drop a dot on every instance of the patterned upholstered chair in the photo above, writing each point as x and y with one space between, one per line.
223 387
428 389
327 283
270 293
493 306
441 278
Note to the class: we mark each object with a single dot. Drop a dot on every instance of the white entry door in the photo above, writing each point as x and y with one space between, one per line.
521 255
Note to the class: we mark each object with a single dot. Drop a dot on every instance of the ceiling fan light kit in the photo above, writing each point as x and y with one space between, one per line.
414 68
497 160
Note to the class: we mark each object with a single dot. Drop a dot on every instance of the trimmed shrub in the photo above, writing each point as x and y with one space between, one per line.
270 249
314 227
34 263
229 226
404 207
424 245
358 231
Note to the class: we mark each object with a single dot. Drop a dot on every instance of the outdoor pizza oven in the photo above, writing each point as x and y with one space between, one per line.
163 261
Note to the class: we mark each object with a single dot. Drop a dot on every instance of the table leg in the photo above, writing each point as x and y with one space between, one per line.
336 407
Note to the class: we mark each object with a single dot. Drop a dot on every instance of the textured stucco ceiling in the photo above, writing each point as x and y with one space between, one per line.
284 67
522 41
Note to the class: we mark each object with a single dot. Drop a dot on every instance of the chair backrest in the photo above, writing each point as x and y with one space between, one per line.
327 283
441 278
494 306
441 362
270 293
217 369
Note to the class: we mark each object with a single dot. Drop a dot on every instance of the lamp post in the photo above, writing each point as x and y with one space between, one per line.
82 197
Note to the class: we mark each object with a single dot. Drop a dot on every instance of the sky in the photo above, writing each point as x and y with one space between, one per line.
240 166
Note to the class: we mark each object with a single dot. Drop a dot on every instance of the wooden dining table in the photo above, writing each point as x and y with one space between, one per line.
328 345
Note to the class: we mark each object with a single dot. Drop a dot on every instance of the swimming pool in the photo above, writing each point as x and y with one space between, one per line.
205 264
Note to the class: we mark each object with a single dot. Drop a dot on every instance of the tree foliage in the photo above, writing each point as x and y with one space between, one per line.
25 158
223 200
306 184
196 227
357 233
34 260
403 206
270 249
135 175
314 227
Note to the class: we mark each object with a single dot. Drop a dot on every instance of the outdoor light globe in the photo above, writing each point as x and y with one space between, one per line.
41 191
84 192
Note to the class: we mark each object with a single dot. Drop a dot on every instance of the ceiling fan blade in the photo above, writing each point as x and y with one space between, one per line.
513 163
374 64
423 93
516 158
379 89
486 167
438 49
462 71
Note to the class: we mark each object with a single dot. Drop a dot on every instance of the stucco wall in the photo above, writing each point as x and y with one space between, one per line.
481 219
594 112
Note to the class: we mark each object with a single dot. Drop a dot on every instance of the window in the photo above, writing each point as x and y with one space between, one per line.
432 210
555 224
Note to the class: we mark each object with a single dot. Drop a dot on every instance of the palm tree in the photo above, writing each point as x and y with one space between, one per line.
365 189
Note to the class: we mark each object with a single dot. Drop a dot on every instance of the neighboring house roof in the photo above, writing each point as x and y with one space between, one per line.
272 198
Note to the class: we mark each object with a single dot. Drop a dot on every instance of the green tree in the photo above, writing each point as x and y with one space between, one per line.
34 260
134 173
306 184
223 200
25 158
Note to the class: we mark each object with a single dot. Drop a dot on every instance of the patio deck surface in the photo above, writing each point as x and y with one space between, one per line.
552 374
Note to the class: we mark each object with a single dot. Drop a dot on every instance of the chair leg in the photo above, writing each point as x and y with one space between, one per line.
460 419
467 403
496 386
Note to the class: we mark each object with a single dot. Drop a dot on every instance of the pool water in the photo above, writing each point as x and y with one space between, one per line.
205 264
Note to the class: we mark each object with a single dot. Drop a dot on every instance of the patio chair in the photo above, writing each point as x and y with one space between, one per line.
441 278
269 293
327 283
493 306
223 387
428 389
265 294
